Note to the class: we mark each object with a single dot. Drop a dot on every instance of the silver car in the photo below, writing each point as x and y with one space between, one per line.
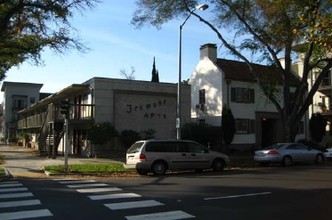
158 156
328 153
287 154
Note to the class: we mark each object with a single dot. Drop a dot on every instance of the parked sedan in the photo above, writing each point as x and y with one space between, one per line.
287 154
328 153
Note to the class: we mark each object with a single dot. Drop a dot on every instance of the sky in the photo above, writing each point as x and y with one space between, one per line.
115 45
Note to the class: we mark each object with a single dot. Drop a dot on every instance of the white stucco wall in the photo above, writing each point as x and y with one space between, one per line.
207 76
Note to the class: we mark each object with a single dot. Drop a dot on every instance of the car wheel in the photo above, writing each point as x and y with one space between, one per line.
319 159
159 168
218 165
287 161
142 172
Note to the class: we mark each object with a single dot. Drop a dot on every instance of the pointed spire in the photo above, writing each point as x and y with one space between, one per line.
155 74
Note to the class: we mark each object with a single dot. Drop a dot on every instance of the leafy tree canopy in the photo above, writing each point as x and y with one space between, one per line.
270 30
28 26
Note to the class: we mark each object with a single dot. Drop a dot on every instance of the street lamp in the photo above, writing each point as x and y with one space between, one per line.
201 7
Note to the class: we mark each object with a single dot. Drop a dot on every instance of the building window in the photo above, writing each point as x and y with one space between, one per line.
201 121
245 126
202 96
32 100
242 95
19 104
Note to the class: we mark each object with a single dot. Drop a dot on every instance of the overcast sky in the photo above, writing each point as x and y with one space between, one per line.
115 45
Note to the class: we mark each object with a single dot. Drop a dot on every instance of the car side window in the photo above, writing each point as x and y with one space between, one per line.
292 147
196 148
161 147
182 147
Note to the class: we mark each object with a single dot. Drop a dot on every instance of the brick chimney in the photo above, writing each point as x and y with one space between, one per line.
209 51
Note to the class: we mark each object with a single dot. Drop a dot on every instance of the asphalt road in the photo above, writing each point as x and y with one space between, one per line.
299 192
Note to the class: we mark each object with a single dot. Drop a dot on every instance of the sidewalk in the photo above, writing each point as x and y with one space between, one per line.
25 162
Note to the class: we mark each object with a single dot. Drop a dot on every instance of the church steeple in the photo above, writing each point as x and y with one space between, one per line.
155 73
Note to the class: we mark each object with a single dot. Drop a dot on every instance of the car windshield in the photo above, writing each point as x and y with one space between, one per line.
135 148
274 146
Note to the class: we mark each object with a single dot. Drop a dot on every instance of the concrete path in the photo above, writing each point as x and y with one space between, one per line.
25 162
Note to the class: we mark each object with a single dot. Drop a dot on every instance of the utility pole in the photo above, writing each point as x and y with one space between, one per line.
66 146
65 108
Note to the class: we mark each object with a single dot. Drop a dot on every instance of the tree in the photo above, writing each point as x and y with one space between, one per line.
228 125
29 26
155 74
129 76
317 127
270 30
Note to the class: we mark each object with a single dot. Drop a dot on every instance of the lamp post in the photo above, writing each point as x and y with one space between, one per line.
201 7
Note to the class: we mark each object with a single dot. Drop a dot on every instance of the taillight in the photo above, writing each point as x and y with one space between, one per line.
142 157
273 152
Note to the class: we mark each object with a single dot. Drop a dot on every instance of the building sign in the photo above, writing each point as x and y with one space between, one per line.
148 110
143 111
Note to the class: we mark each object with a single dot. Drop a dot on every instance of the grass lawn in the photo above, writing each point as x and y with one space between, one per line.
2 171
89 169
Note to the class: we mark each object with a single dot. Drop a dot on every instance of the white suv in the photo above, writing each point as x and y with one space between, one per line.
161 155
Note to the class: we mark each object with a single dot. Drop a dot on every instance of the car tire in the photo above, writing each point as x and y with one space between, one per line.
218 165
142 172
287 161
159 167
319 159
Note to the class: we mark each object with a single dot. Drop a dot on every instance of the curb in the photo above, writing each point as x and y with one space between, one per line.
7 175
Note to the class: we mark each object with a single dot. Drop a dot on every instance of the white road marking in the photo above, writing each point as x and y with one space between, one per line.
13 190
131 205
238 196
97 190
14 184
25 214
76 181
87 185
115 196
8 182
162 216
19 203
15 195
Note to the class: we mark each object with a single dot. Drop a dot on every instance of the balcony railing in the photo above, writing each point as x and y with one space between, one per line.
77 113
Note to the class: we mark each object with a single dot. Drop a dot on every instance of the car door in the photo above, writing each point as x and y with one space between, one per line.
295 152
198 155
309 154
179 158
304 153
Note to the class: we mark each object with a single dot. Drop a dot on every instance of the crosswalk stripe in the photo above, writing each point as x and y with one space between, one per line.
8 182
25 214
114 196
131 205
15 195
97 190
19 203
172 215
87 185
76 181
10 185
13 189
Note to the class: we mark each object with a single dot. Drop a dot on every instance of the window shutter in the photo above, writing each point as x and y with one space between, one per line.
233 94
252 95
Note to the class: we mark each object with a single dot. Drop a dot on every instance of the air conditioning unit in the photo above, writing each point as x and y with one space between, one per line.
200 106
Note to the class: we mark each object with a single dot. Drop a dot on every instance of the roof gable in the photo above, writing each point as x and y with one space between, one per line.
239 71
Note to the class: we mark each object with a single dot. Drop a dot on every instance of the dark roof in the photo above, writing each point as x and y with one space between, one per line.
239 71
7 83
43 95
